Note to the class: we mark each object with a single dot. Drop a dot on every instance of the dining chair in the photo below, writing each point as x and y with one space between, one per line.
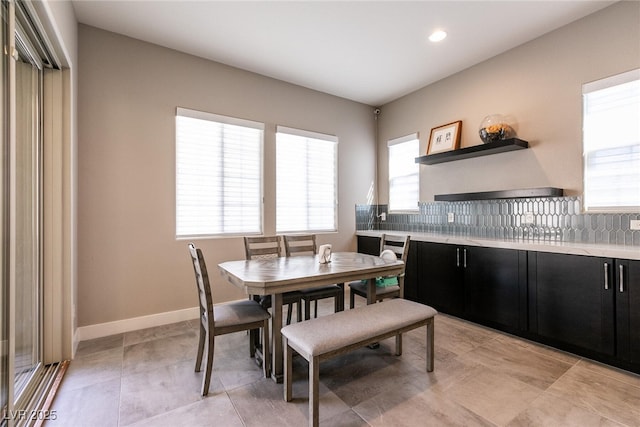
223 319
399 245
306 244
265 247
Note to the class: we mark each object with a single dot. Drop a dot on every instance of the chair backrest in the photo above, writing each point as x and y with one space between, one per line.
398 244
262 247
300 243
204 288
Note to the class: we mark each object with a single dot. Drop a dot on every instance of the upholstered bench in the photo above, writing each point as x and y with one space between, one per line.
322 338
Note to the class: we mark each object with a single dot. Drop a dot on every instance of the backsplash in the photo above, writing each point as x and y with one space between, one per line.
554 219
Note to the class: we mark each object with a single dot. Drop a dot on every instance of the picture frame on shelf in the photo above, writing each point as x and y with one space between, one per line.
445 138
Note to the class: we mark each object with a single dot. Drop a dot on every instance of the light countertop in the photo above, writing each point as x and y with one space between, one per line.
590 249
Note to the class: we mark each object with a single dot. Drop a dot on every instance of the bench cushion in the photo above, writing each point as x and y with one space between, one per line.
329 333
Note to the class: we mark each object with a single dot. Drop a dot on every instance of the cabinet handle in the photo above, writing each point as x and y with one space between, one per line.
457 257
465 258
621 279
606 275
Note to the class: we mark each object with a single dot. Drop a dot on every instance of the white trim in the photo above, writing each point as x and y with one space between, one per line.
402 139
306 133
99 330
607 82
203 115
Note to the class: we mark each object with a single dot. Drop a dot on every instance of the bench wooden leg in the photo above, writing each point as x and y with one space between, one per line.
399 345
314 389
288 369
430 341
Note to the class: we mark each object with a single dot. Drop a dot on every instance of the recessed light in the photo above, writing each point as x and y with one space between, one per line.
437 36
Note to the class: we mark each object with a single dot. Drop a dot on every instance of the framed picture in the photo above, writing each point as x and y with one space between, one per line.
445 138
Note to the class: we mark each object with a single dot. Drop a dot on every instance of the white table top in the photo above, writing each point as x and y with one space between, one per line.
278 275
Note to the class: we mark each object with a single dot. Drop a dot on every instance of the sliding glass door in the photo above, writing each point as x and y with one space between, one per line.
27 218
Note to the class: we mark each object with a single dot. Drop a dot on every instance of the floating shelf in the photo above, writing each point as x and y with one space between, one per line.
495 147
501 194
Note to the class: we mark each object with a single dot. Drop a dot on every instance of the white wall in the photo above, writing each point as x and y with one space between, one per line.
539 83
130 263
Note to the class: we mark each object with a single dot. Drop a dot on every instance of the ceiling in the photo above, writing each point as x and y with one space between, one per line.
367 51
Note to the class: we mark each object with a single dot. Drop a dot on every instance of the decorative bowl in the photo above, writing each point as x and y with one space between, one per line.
494 128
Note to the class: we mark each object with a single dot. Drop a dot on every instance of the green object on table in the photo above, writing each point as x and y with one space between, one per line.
383 282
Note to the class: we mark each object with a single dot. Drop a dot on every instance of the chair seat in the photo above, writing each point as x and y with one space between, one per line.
321 292
361 289
287 298
238 313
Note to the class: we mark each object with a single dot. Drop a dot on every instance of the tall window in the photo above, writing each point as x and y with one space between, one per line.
218 175
611 143
404 173
306 181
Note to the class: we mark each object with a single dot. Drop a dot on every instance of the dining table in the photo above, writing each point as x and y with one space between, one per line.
274 276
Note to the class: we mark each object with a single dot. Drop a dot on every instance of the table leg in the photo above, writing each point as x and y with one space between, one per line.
371 291
276 344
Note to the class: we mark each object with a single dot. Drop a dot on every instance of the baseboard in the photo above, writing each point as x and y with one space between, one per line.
99 330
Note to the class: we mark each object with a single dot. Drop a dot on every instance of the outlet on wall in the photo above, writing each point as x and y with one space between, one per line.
383 216
634 224
450 217
528 218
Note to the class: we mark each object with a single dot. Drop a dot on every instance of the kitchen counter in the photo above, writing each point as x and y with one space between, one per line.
598 250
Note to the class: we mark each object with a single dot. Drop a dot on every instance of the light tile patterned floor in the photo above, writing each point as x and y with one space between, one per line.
482 377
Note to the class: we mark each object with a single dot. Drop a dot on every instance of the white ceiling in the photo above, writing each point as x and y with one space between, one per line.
367 51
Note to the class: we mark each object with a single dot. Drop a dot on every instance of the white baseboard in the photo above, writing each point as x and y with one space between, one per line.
99 330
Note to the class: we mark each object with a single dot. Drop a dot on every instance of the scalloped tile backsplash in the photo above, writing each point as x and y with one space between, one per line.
553 219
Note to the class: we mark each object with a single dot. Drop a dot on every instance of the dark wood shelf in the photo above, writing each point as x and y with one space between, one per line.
495 147
501 194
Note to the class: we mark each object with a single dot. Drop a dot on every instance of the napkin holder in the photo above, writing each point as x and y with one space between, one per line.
324 254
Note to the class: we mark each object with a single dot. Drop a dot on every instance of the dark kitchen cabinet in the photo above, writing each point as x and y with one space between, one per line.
627 291
486 285
495 286
441 283
371 245
571 301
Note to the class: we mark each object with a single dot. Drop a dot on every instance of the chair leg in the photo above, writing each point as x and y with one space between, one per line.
351 299
203 334
288 314
430 330
288 369
266 352
206 379
307 309
299 313
314 398
252 343
315 308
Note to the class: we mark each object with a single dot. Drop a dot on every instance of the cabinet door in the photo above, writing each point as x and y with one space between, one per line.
492 286
572 300
441 283
369 245
627 290
411 273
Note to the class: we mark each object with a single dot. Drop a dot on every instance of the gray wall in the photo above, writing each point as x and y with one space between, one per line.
130 263
538 83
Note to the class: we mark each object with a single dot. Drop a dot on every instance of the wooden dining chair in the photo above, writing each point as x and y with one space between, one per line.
223 319
306 244
399 245
264 247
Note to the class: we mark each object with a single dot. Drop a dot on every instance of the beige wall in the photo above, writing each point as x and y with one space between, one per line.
130 263
538 83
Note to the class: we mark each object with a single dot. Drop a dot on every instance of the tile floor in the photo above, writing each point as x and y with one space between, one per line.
482 377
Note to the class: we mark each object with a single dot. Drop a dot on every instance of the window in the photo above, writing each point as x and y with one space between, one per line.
306 181
404 173
611 143
218 175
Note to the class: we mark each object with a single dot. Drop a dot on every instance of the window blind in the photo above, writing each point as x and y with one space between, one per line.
404 173
306 181
218 174
611 143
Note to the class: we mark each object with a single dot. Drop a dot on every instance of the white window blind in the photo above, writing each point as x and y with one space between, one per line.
218 175
611 143
306 181
404 173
